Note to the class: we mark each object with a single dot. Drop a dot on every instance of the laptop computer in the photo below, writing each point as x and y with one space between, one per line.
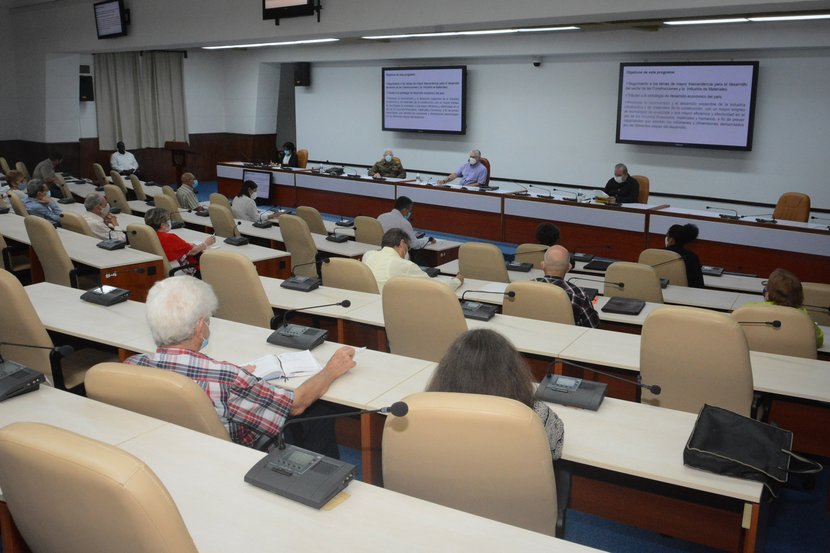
599 264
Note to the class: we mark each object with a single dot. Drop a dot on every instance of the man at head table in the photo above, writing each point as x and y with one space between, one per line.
388 166
622 186
473 172
178 312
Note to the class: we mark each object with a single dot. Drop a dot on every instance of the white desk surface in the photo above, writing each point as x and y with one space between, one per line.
138 206
283 298
350 248
736 283
440 245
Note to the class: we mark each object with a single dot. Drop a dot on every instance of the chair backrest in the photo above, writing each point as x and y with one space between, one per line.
817 301
17 205
138 188
169 203
118 181
482 261
298 242
644 188
117 502
422 317
238 288
169 192
792 206
21 167
99 176
796 335
224 225
452 449
539 300
61 184
4 165
302 158
368 230
696 356
486 163
157 393
75 222
639 281
221 199
57 266
145 239
349 274
530 253
20 324
116 198
667 263
312 218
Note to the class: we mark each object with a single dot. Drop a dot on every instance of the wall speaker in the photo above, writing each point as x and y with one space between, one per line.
302 74
87 94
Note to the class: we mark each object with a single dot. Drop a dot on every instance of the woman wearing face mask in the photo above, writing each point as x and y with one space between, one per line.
244 205
389 166
676 239
178 251
288 156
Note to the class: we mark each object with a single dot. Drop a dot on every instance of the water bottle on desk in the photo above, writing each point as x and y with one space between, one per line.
418 178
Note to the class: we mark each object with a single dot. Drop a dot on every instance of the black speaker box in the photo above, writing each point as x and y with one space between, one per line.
87 94
302 74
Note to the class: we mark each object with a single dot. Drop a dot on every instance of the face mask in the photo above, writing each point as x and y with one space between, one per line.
287 152
195 184
409 216
473 161
204 343
48 193
619 180
387 158
164 227
105 211
253 195
667 241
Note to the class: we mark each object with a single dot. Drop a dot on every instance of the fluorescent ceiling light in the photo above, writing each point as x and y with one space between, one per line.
473 33
545 29
263 44
706 21
791 17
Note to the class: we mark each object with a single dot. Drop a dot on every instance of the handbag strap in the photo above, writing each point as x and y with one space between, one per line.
813 467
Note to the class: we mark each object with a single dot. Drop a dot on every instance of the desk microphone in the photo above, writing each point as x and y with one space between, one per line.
510 294
821 219
112 244
653 388
731 216
300 283
259 223
619 285
480 311
523 192
774 324
338 238
574 199
764 218
300 336
9 368
550 194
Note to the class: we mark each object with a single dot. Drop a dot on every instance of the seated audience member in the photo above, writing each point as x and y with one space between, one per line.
399 218
547 234
473 172
186 193
178 313
623 187
390 261
45 171
677 238
17 184
482 361
101 222
244 206
39 202
388 166
288 158
123 161
178 251
784 288
556 264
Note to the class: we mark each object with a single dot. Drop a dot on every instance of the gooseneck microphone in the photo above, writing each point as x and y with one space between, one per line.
774 324
549 193
523 192
510 294
303 284
344 303
480 311
725 212
653 388
619 285
575 194
63 351
112 243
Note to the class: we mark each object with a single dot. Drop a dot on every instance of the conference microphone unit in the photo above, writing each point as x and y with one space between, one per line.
764 218
575 195
305 476
259 223
303 283
17 379
111 295
345 222
481 311
301 336
523 192
111 243
337 238
725 215
549 193
821 219
774 324
237 240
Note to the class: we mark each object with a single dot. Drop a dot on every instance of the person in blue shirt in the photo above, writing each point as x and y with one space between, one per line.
472 173
39 202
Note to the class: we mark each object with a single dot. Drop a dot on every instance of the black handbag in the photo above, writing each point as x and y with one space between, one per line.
727 443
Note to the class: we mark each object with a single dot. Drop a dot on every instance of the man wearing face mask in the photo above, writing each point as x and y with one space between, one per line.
123 161
399 218
623 187
472 173
101 222
39 202
179 311
186 193
389 166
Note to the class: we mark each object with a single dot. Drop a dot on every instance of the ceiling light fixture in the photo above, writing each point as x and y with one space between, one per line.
265 44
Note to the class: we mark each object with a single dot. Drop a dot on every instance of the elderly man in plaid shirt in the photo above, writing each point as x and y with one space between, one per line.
178 312
556 264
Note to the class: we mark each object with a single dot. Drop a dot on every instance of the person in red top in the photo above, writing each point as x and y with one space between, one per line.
178 251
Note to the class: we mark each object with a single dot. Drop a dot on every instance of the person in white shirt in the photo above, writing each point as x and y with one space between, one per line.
101 222
390 261
123 161
244 204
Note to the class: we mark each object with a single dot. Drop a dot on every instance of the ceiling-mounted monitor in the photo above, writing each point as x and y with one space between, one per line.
279 9
425 99
111 18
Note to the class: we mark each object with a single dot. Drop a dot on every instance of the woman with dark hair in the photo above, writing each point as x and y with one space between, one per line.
676 239
784 288
482 361
288 157
244 204
547 234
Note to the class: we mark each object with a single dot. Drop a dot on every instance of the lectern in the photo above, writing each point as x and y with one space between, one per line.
178 153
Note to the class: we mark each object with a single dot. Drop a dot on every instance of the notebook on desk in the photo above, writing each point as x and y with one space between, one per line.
624 306
712 271
599 264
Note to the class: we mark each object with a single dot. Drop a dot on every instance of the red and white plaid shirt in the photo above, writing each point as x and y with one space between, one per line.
248 406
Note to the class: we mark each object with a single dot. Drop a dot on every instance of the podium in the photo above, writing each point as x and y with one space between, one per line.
178 154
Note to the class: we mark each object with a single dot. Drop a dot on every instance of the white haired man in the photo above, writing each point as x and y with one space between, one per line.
178 312
101 222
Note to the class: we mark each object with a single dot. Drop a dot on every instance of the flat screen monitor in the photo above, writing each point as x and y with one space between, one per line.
262 180
425 99
278 9
110 19
694 104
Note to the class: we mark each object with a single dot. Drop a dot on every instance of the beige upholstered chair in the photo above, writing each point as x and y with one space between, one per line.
667 263
138 188
792 206
530 253
224 225
817 301
99 176
486 163
168 191
144 238
349 274
15 260
367 230
157 393
538 300
75 222
298 242
21 167
221 199
481 454
72 494
118 181
796 336
60 182
17 205
313 219
422 317
238 287
57 266
117 199
482 261
639 281
644 188
696 356
302 158
169 203
4 166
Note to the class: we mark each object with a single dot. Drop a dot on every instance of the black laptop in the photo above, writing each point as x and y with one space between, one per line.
599 264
